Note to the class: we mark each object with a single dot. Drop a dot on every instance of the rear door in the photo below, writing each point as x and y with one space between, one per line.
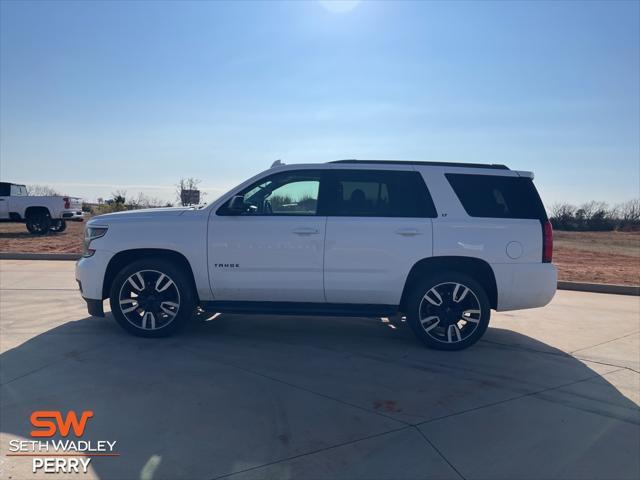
272 251
378 227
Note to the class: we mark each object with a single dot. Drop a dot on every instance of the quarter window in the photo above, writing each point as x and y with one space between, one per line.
496 196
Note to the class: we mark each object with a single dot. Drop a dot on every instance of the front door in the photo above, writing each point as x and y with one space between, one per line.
272 250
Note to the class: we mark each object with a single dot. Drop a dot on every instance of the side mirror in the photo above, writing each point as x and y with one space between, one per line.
236 205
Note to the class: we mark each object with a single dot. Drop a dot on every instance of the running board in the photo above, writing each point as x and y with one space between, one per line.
301 308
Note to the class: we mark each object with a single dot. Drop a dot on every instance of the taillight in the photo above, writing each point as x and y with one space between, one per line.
547 242
67 202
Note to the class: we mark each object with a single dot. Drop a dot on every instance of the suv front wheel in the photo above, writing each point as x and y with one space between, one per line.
152 298
448 311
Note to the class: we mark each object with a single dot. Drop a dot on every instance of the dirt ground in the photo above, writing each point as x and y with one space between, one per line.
600 257
14 237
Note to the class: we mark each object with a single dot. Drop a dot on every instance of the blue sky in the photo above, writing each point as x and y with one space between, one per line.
102 96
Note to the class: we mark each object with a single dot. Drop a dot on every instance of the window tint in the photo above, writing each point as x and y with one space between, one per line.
382 193
497 196
5 189
286 193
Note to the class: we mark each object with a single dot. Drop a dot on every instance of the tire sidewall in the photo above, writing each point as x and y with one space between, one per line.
424 285
58 226
182 282
43 218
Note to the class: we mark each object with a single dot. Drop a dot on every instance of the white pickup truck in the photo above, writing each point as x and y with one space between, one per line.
42 214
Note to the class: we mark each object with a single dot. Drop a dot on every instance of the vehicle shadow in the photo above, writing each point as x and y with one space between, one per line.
234 393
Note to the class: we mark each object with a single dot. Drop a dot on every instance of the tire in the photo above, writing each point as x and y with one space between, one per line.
448 311
58 226
171 298
39 222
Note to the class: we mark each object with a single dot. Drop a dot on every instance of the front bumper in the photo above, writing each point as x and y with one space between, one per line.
94 307
90 273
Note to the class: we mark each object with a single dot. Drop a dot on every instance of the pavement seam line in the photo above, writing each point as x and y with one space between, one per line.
604 343
594 412
605 363
313 452
524 395
423 435
319 394
565 354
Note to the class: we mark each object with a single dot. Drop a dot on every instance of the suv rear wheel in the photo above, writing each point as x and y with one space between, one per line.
448 311
152 298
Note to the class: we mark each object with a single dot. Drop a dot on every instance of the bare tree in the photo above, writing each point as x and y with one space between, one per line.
629 212
143 201
42 191
119 196
186 184
595 216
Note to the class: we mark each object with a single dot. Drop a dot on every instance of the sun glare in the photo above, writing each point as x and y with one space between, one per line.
339 6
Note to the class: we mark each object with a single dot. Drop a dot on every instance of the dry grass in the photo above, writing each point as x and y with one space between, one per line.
620 243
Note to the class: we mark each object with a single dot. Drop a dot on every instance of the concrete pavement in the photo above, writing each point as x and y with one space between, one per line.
548 393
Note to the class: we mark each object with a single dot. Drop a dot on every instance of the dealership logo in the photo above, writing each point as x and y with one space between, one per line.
45 419
49 455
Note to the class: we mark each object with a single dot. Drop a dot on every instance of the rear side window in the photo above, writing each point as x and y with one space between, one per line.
497 196
381 193
18 191
5 189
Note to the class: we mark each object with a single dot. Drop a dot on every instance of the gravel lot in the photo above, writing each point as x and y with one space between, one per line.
548 393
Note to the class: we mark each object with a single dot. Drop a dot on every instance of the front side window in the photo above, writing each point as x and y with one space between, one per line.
381 193
287 193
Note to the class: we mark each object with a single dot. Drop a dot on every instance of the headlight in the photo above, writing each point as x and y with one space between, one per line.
90 234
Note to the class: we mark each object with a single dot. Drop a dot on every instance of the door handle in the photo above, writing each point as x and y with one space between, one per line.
305 231
408 232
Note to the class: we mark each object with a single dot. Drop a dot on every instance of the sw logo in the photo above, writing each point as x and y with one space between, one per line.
51 422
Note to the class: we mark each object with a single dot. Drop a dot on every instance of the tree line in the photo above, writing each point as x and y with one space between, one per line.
596 216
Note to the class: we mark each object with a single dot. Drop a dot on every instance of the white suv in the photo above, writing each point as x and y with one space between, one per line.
442 243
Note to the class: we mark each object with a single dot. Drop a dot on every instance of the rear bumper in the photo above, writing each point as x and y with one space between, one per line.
525 285
73 215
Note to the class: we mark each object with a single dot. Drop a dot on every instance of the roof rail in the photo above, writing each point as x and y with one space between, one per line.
494 166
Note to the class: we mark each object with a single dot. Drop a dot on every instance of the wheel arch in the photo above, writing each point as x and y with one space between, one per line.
33 210
476 268
123 258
